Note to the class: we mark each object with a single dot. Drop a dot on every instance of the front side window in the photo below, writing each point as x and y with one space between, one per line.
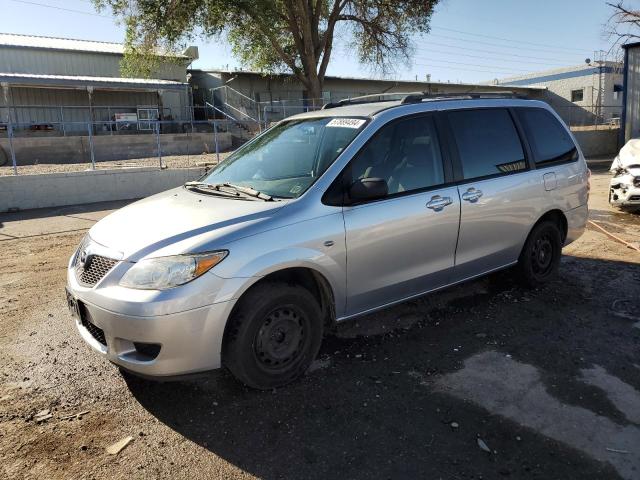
487 141
549 140
406 154
287 159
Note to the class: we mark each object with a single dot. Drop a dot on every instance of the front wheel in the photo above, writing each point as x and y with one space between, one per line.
540 257
273 335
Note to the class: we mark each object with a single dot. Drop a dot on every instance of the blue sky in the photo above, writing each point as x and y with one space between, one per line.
470 40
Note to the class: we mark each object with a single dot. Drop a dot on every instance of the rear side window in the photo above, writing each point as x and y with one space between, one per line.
549 140
487 141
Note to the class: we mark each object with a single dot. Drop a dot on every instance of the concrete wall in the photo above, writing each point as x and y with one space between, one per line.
30 151
25 192
600 142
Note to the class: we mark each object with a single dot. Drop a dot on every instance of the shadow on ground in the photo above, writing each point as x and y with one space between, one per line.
373 408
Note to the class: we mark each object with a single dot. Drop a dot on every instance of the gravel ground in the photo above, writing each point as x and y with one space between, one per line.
171 161
484 380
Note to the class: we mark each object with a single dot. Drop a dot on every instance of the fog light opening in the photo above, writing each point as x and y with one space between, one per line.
149 350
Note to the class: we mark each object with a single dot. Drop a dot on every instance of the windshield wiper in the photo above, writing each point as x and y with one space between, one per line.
210 189
252 192
228 189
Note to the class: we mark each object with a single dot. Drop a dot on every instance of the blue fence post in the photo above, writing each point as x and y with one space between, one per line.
93 157
11 150
215 138
158 143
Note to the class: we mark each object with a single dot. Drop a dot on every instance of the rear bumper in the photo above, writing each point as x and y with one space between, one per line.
576 223
189 341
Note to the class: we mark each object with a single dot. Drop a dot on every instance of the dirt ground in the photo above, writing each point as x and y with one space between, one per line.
485 380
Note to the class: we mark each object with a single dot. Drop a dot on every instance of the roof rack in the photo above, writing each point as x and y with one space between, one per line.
417 97
374 97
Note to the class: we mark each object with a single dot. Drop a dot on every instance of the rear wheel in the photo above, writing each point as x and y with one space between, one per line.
540 257
273 335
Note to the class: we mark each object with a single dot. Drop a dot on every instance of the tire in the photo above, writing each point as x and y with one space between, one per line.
273 335
540 256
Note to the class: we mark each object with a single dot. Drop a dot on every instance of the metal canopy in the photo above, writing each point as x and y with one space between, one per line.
82 82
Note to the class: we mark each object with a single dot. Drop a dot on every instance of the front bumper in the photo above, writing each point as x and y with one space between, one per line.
623 197
189 341
128 326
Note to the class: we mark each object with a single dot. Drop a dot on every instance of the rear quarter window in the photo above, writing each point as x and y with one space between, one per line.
548 138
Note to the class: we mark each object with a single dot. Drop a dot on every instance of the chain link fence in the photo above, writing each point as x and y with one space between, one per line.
33 148
590 117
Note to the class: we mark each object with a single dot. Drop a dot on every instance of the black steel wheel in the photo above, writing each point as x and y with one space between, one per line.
273 335
541 254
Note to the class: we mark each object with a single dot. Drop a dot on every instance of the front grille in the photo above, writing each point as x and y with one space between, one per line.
96 332
94 269
634 197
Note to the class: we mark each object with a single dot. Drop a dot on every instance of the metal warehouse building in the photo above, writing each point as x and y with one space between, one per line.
57 83
254 96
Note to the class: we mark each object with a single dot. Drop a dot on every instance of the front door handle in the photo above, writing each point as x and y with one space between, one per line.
437 202
472 195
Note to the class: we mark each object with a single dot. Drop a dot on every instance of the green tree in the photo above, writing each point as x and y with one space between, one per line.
277 35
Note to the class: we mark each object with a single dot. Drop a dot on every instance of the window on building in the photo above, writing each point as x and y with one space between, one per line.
488 142
549 140
617 91
577 95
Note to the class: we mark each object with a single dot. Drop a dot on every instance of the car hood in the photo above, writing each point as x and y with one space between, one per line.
180 221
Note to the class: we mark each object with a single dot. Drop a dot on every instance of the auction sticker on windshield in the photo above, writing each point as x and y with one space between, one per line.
346 122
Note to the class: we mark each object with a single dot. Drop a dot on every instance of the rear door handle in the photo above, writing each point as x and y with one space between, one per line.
472 195
437 202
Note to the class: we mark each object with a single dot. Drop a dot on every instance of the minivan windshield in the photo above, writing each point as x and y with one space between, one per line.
287 159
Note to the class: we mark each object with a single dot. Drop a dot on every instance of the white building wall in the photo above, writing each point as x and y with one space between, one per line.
590 108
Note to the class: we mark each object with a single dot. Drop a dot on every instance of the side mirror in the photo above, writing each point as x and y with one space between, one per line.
365 189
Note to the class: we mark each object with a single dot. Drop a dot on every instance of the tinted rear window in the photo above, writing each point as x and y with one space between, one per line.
549 140
488 142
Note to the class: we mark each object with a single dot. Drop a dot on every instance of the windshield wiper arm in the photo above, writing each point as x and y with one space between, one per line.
248 191
211 189
236 190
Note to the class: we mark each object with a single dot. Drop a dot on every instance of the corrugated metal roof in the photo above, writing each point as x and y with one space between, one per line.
364 79
78 80
53 43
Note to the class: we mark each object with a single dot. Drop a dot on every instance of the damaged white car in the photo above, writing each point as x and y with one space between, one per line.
624 188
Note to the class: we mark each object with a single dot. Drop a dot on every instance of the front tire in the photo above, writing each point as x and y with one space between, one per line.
273 335
540 257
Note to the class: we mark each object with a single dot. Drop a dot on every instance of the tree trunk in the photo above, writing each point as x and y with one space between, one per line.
315 89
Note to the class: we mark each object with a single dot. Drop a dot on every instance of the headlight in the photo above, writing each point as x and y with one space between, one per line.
166 272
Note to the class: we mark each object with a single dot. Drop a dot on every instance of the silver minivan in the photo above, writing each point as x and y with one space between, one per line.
326 216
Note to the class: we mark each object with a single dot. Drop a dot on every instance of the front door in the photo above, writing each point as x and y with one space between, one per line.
402 245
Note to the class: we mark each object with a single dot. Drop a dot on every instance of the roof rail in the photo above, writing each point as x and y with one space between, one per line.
417 97
374 97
